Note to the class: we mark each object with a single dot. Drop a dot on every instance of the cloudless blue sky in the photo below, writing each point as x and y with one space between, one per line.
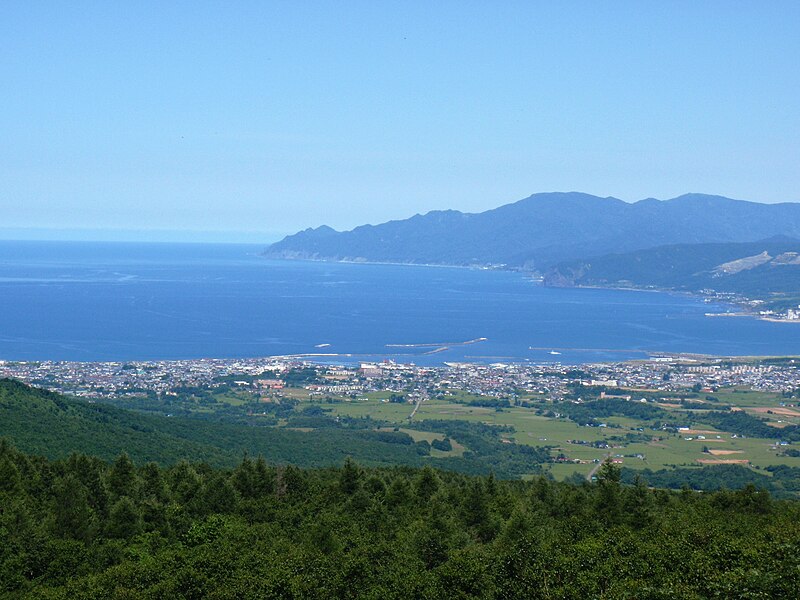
276 116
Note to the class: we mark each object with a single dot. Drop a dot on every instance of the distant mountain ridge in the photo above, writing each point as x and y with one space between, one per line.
546 229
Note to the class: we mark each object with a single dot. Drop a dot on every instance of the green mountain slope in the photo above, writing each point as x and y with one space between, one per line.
46 423
53 425
754 269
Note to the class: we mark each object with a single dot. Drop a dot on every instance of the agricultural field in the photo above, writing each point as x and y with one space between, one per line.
637 428
630 441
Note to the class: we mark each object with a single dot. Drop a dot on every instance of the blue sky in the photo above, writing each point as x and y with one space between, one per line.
272 117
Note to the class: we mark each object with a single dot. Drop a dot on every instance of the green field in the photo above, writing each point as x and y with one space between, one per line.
661 449
621 431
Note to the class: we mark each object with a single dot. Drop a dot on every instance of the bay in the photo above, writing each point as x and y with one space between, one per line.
118 302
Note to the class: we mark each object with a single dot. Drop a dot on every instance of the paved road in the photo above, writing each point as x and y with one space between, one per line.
597 468
416 408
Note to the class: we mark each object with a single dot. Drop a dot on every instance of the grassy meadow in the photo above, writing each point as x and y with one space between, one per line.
654 449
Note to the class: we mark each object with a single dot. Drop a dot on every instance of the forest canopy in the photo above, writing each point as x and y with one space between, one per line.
82 527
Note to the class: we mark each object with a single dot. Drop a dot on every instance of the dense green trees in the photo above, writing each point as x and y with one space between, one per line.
146 524
588 413
46 423
83 528
741 423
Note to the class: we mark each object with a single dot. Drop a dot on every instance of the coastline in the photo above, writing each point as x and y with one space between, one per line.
351 261
741 303
774 320
309 358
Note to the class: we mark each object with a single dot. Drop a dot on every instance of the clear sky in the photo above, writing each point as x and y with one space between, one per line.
272 117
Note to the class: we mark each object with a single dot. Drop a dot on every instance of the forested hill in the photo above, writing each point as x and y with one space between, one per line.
84 528
753 268
53 425
545 229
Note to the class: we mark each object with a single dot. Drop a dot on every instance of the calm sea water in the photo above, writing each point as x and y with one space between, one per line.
112 301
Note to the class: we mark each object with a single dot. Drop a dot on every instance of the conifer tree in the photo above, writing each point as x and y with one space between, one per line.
154 486
10 482
264 478
219 495
426 484
124 520
185 483
638 504
244 478
73 517
608 499
349 477
122 478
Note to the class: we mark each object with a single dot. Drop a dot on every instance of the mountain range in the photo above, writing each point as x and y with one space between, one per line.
547 229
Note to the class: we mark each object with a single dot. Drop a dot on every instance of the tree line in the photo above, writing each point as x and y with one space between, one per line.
81 527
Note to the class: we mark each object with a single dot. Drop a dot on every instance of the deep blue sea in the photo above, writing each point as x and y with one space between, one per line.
118 301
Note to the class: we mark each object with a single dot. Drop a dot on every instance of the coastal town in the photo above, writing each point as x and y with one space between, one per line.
666 374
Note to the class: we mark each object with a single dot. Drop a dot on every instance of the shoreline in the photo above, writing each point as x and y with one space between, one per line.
385 263
740 303
652 357
774 320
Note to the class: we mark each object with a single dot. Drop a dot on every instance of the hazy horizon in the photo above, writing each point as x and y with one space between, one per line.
44 234
158 235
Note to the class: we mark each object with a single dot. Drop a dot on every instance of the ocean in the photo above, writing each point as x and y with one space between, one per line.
133 301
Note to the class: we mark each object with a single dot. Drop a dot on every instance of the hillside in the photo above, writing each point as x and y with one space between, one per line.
55 426
760 268
545 229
